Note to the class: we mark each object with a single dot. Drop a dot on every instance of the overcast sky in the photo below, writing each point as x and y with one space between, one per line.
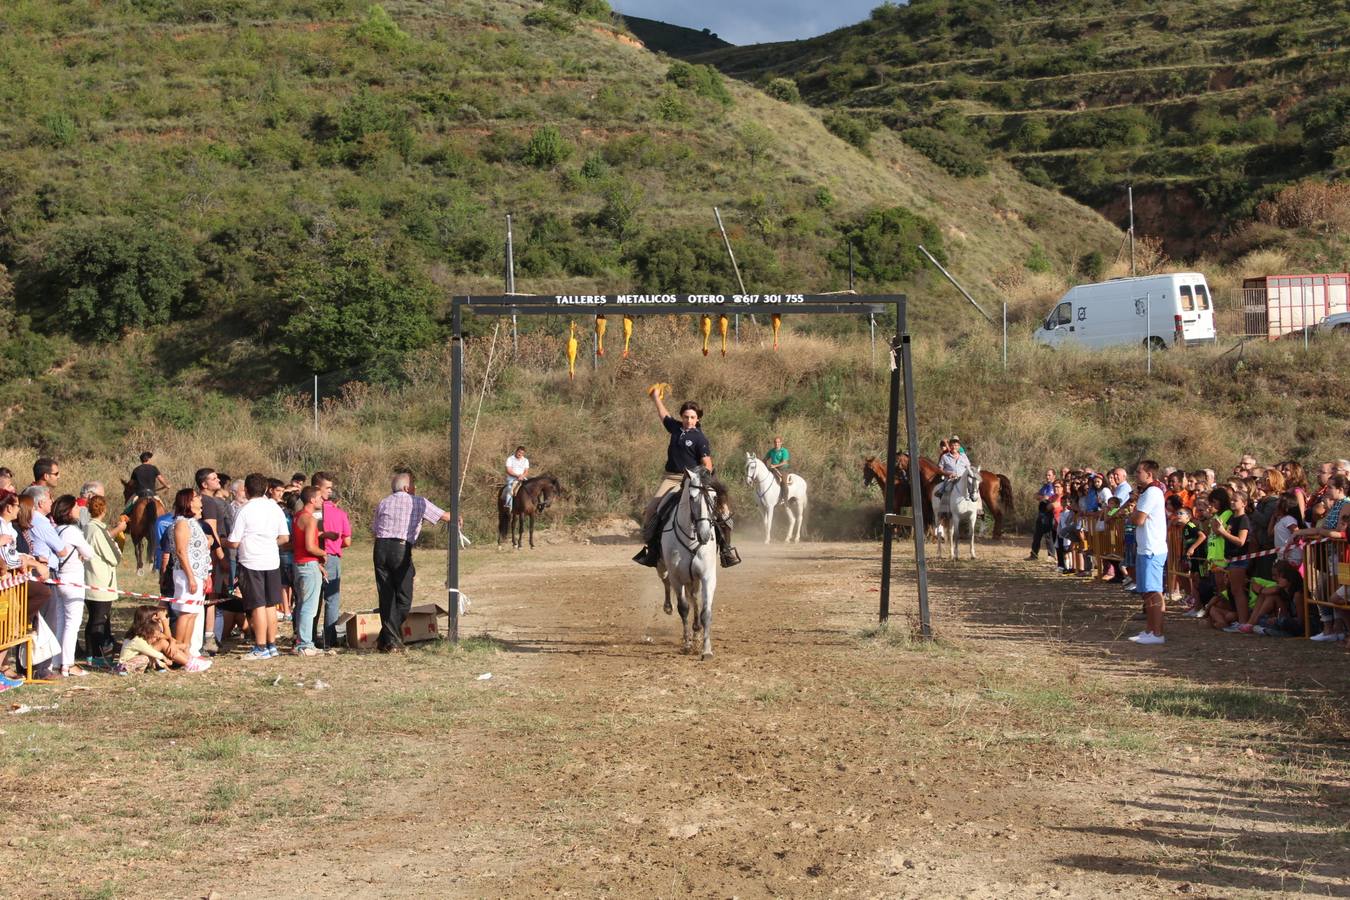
753 21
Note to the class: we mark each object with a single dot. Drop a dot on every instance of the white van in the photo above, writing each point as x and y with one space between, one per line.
1168 310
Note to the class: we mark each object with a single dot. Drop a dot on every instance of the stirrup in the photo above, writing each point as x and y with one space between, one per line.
646 558
729 556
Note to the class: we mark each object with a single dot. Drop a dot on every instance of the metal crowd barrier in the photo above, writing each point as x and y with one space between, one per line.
1325 570
15 624
1105 538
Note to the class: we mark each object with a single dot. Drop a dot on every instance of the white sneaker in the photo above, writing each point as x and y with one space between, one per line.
1128 585
1328 636
1149 637
1197 613
1233 628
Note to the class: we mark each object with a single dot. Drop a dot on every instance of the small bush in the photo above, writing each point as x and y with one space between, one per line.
552 19
1092 265
885 244
1315 205
594 168
587 9
1037 261
378 29
851 129
705 81
546 148
784 89
960 156
61 129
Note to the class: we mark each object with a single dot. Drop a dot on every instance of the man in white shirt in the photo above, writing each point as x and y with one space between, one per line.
517 470
1150 534
258 534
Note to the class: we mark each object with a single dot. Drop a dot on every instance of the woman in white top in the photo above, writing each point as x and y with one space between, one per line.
191 567
68 605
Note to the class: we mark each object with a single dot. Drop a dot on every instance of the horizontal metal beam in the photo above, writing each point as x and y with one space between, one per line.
675 304
812 309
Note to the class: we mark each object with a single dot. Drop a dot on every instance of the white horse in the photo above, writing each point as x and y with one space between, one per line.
768 492
689 557
960 503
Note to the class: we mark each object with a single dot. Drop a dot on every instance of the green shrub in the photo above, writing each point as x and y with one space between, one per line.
784 89
1127 127
672 108
552 19
350 311
849 128
594 168
960 156
367 124
619 214
1036 174
695 260
104 277
378 29
885 244
1031 134
705 81
546 148
587 9
1092 265
1037 261
60 127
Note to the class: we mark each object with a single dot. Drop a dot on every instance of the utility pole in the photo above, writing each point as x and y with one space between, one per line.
511 283
735 268
1131 196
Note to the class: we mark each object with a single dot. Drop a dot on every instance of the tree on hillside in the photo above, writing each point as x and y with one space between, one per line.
885 244
352 312
103 277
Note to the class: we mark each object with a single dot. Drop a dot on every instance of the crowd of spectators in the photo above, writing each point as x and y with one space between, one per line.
1241 539
235 557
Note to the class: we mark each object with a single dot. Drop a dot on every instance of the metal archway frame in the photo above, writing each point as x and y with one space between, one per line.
698 304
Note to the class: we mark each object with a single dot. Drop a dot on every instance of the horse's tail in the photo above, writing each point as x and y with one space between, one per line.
503 521
1005 493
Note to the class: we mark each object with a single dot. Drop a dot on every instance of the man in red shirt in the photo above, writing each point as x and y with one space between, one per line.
338 537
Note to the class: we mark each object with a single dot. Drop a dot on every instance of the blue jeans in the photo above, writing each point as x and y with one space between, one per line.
332 600
307 591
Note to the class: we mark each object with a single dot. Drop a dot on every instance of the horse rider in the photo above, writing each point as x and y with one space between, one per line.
146 479
688 449
517 470
953 464
777 461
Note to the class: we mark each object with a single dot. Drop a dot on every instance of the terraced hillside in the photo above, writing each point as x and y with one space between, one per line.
1206 107
206 199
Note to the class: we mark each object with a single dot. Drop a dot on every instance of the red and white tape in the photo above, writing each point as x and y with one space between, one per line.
1299 544
90 587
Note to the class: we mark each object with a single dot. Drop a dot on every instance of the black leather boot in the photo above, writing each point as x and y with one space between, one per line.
728 557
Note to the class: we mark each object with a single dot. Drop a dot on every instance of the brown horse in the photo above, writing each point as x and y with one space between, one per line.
995 490
532 498
141 524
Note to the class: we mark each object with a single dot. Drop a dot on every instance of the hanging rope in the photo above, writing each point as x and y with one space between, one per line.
487 372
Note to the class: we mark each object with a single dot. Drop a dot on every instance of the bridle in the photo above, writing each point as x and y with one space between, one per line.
699 507
756 480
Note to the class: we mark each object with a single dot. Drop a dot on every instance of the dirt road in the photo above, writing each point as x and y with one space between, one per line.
1029 752
805 759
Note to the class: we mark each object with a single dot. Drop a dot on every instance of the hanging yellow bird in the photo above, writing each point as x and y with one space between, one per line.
627 334
572 353
705 326
722 329
600 327
777 324
660 389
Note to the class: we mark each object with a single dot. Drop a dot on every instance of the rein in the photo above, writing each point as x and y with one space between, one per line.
693 545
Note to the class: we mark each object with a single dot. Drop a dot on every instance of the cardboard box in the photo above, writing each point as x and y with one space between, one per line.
421 624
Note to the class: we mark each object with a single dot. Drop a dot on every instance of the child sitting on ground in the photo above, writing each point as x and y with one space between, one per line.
1279 605
149 641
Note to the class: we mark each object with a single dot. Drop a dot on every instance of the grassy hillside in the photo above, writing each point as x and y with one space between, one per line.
1207 108
200 202
662 37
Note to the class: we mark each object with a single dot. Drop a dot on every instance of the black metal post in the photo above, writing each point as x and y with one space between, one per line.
892 440
915 486
456 390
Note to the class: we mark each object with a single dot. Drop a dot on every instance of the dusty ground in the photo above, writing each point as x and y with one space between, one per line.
1031 751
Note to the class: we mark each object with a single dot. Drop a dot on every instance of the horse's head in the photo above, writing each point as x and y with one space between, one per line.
870 466
128 489
970 482
702 494
751 467
549 487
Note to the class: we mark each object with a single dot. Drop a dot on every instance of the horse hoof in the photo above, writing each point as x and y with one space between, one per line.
139 573
707 655
666 608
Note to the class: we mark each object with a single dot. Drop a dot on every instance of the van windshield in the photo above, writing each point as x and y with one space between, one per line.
1202 296
1187 301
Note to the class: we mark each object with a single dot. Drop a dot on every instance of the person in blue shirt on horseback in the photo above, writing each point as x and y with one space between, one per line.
688 449
953 463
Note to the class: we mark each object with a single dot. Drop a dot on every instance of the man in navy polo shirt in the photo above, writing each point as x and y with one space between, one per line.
688 449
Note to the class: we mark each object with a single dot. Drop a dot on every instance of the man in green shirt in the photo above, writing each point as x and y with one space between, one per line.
777 460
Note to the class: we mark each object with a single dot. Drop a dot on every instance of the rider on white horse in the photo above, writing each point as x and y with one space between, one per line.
777 461
954 463
688 449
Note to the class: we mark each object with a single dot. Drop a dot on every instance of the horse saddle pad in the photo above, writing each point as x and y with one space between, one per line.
666 510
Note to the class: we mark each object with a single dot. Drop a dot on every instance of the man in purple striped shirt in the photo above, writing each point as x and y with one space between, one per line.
397 523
